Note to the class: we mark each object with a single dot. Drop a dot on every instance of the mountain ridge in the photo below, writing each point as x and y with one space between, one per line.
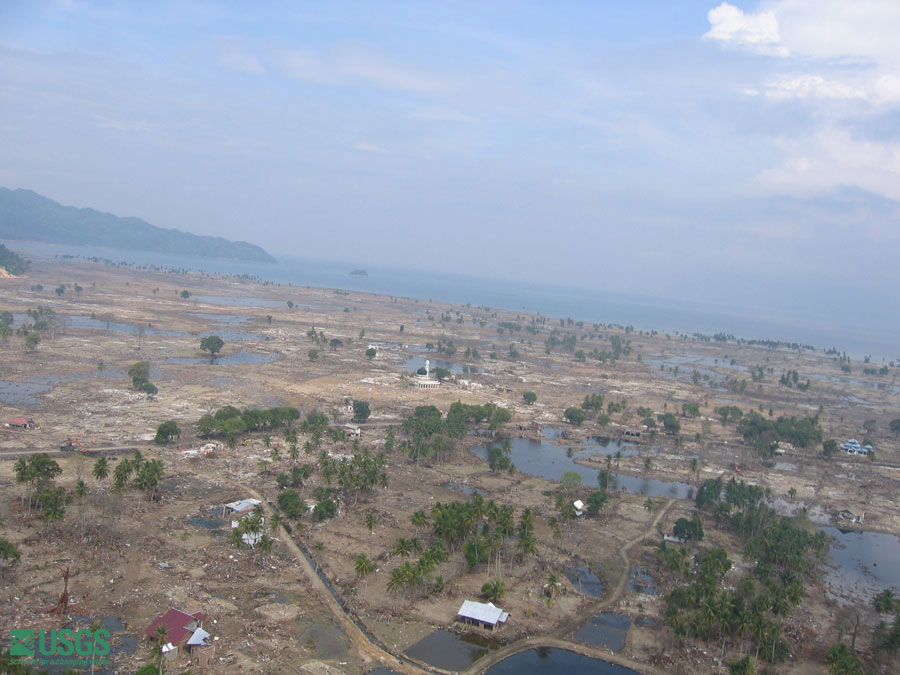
25 214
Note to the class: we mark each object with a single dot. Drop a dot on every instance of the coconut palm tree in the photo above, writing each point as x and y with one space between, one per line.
101 469
276 522
419 519
363 565
493 590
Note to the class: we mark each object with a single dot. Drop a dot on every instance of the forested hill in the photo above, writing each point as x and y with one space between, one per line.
27 215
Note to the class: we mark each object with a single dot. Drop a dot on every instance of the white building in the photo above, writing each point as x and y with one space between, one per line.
424 379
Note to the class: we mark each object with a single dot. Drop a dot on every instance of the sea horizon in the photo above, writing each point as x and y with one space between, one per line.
643 312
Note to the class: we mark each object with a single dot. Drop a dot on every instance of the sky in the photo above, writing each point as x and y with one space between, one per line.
743 153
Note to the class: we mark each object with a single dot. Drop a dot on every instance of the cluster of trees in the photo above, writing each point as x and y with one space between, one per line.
690 409
418 574
229 422
780 551
887 635
166 433
484 531
12 262
428 431
361 410
791 379
37 472
356 476
592 405
764 433
499 459
135 471
249 533
43 320
140 378
728 412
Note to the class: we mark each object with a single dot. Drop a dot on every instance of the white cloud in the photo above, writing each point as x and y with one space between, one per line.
122 125
756 32
355 66
832 157
365 146
805 86
443 115
832 29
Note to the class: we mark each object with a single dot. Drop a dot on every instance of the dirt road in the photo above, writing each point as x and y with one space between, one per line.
558 637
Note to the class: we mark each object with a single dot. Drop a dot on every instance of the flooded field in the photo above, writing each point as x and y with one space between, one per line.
865 563
549 661
548 461
606 630
451 651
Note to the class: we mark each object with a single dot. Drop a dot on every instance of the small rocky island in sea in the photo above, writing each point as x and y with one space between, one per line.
359 273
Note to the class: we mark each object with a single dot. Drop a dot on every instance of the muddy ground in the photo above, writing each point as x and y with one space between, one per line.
261 607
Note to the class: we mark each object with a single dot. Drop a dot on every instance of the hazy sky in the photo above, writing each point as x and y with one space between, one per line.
693 149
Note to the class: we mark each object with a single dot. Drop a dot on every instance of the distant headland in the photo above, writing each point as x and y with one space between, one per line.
359 273
27 215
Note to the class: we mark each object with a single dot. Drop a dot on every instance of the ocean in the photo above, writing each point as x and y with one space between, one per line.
591 306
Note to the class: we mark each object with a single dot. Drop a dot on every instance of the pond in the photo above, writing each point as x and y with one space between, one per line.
451 651
641 582
24 393
866 563
550 661
413 363
606 630
227 334
239 301
585 581
548 461
241 358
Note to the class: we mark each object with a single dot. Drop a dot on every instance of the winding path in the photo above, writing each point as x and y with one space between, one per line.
362 641
556 639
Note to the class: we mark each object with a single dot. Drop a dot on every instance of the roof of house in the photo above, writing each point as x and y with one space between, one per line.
198 638
243 504
20 420
176 623
486 613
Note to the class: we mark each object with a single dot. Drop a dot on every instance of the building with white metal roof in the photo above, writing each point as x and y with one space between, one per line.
480 614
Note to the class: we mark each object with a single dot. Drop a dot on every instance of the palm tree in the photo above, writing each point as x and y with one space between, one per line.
419 519
371 521
293 451
792 493
264 545
552 584
276 522
275 453
649 505
101 469
402 547
527 545
363 565
397 582
493 590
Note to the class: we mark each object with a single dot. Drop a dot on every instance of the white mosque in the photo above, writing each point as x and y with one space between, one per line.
424 379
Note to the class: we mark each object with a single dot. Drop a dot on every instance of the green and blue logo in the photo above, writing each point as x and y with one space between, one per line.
65 646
